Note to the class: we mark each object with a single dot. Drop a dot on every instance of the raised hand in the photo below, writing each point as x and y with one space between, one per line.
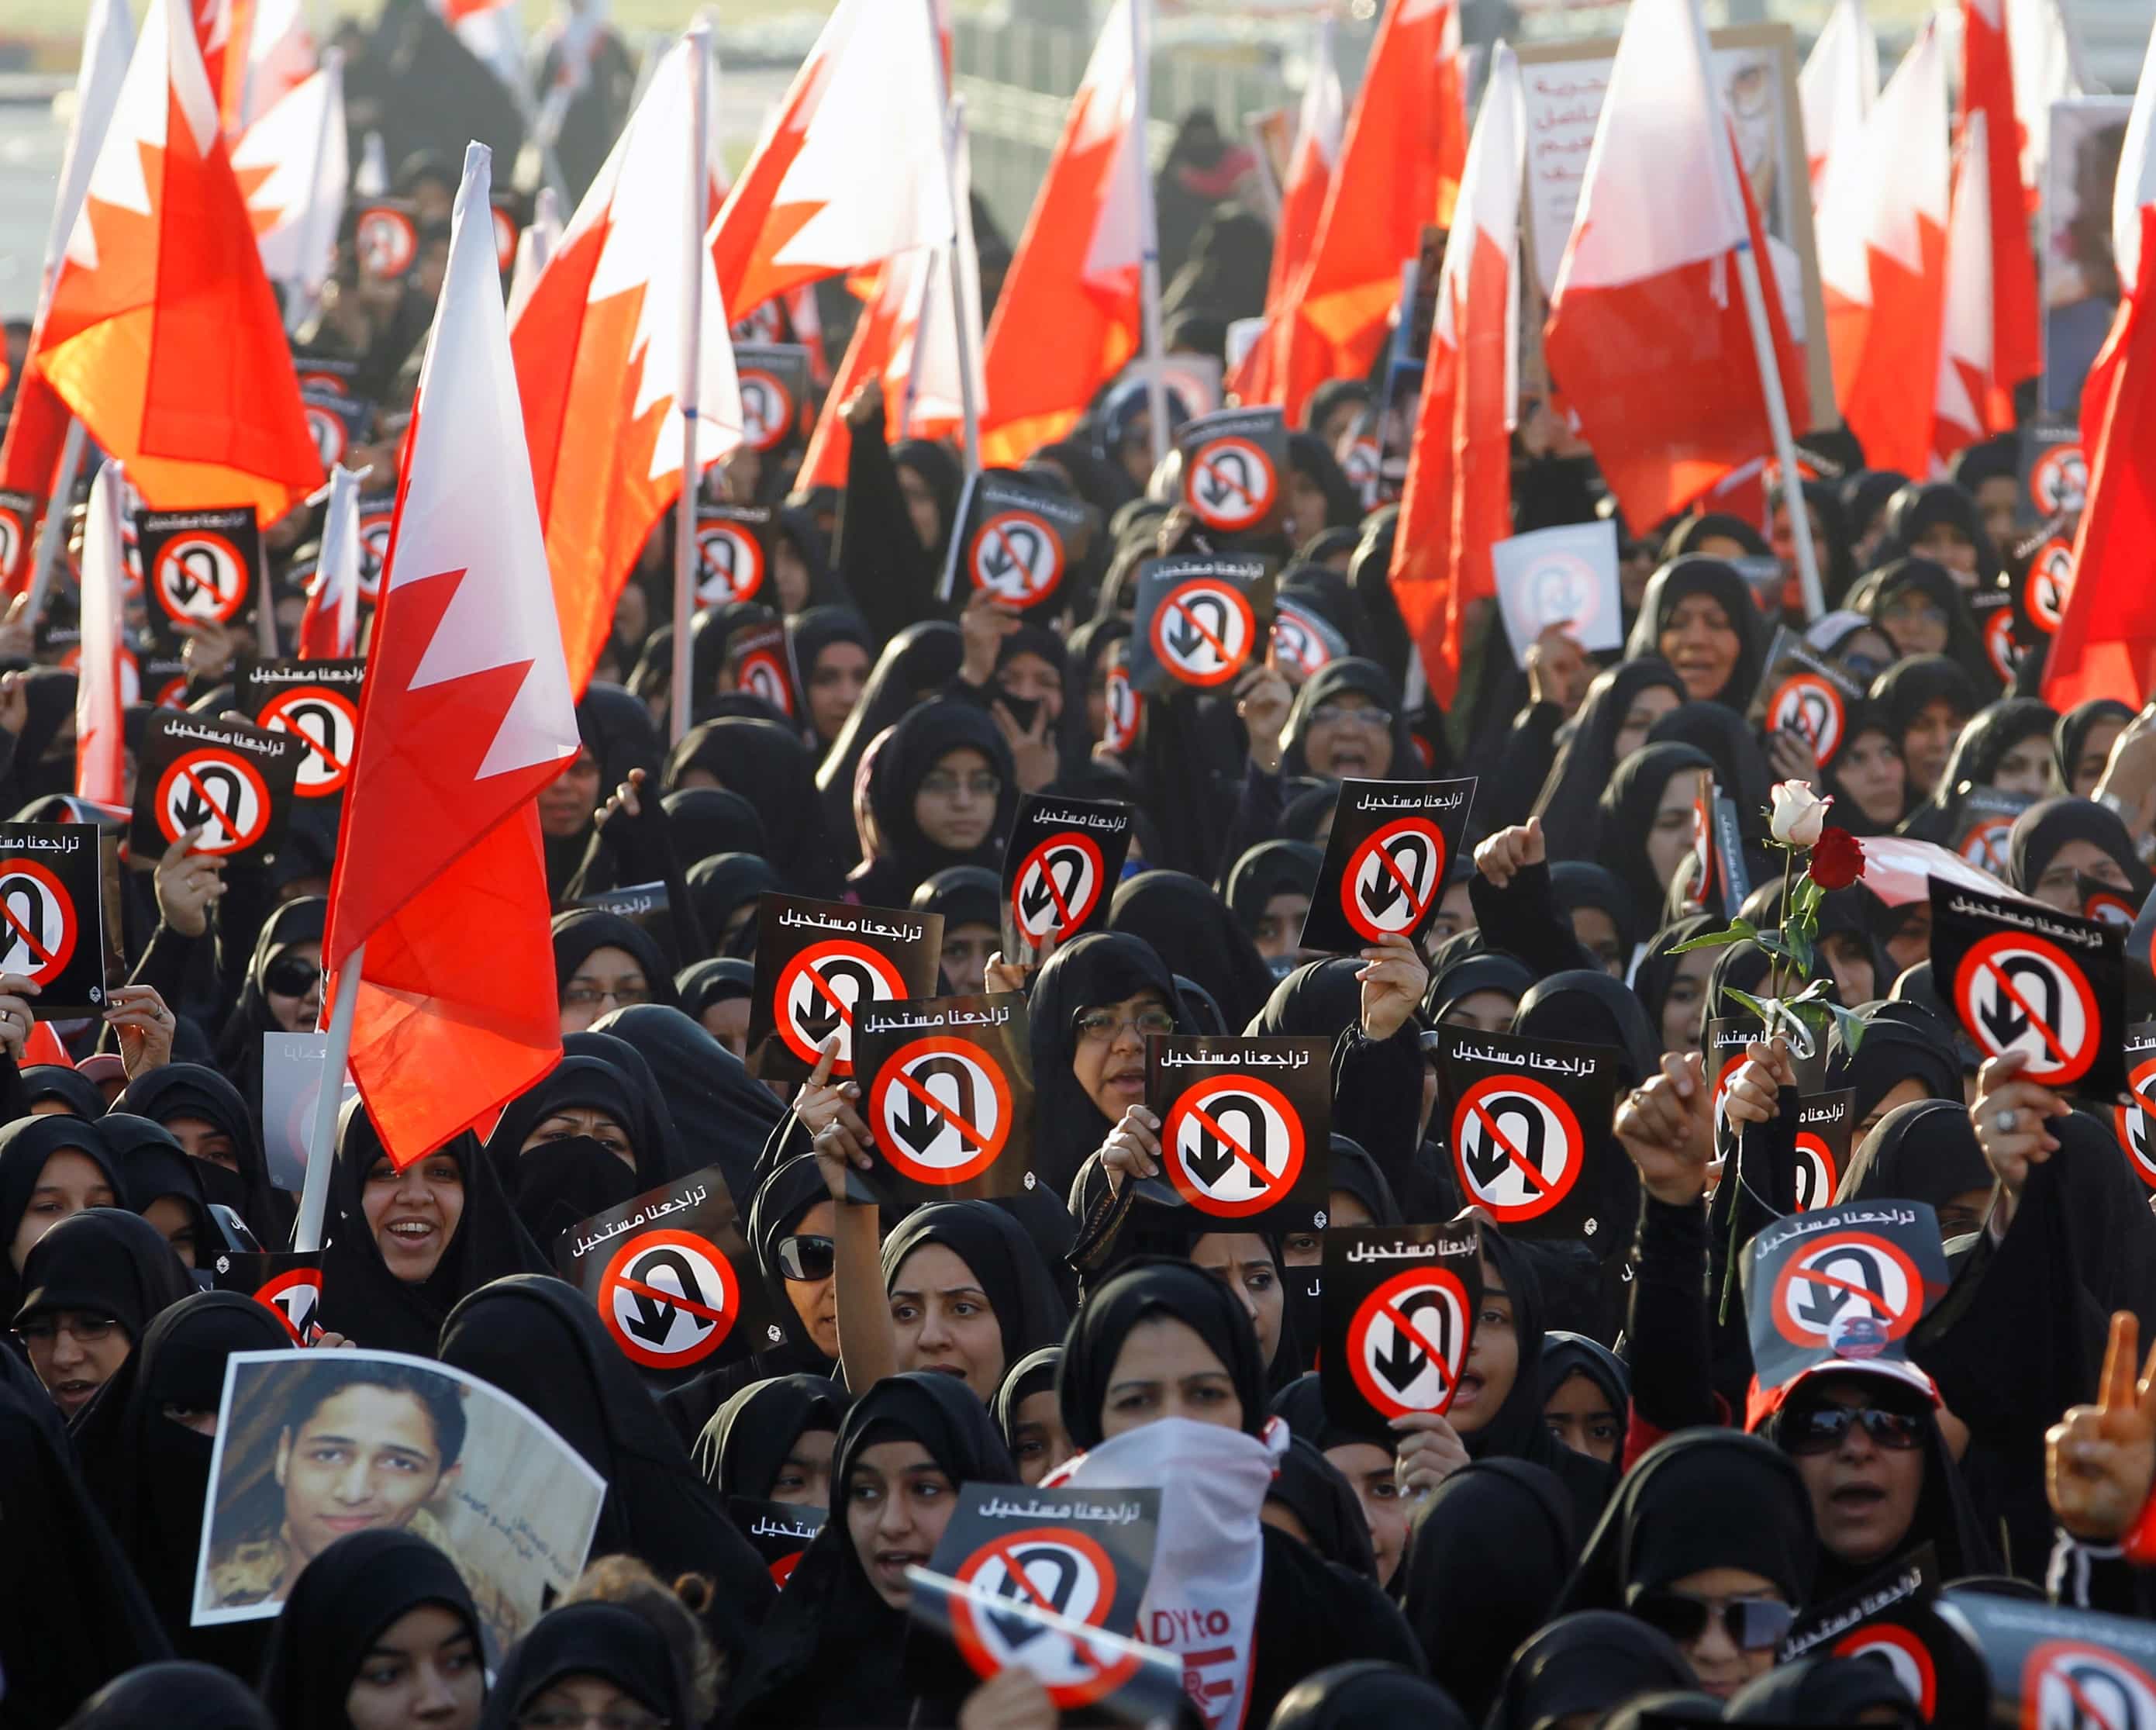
2100 1460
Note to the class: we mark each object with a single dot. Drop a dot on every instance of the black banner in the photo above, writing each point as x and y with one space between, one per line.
1528 1124
1399 1307
1824 1123
1200 619
1061 867
817 963
1893 1618
759 665
1017 539
198 569
52 913
777 1531
1845 1285
1235 472
774 392
734 547
2050 1666
1246 1134
234 783
947 1093
317 702
1385 862
1983 824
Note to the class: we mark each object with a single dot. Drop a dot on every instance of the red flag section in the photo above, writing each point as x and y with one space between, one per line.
102 694
162 335
1399 169
1647 338
600 355
2106 642
1457 503
465 715
1960 416
1837 87
1987 88
329 629
1067 321
1882 241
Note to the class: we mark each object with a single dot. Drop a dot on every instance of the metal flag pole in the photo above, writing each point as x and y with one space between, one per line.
322 1144
1149 223
955 262
52 532
692 307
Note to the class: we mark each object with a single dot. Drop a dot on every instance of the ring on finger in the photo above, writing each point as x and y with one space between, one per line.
2004 1119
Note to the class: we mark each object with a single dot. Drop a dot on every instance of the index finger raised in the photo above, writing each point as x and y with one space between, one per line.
827 1054
2115 1391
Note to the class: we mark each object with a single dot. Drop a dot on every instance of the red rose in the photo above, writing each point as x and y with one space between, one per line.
1837 859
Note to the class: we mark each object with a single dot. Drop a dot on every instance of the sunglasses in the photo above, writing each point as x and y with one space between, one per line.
1819 1430
290 976
1754 1625
802 1258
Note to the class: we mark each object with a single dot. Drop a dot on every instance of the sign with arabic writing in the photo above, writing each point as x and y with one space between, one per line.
1017 540
1385 861
52 913
1844 1285
2135 1120
2023 977
1081 1555
1245 1127
777 1531
673 1277
1399 1307
232 782
1198 620
1065 858
198 569
1527 1122
1893 1618
1823 1120
1233 462
947 1093
817 964
2052 1667
317 702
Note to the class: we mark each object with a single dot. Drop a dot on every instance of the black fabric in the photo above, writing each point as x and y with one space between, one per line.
239 1042
1017 1282
591 1638
1824 1691
775 1210
722 885
1463 966
1300 1405
540 1341
1489 1551
707 984
1033 1373
721 1113
706 821
1154 1287
2070 736
901 854
153 1167
1864 717
1592 1009
587 1084
1585 1664
106 1262
1312 1488
1195 932
1098 969
25 1146
1875 593
1575 884
1901 1042
771 768
748 1439
1659 966
1366 1695
582 930
1269 869
1354 1170
1351 675
189 1090
1926 1151
174 1697
1587 753
1567 1355
365 1301
1627 813
2040 831
834 1653
73 1089
964 895
1692 574
341 1602
923 657
1906 688
559 1184
151 1475
1741 773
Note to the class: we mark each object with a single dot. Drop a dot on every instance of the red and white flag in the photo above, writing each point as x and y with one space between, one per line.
1883 246
1068 319
1458 500
162 335
2106 642
2047 69
102 693
38 426
1648 339
843 179
2135 189
1399 168
293 168
1959 418
280 57
329 629
1988 88
465 715
1837 87
601 358
536 247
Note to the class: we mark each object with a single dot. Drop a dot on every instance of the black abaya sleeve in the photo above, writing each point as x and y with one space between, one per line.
880 560
1311 1613
1255 820
626 850
1667 1331
1376 1099
1506 794
164 965
1523 919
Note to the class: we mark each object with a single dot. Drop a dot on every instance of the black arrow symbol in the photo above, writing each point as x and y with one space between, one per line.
1489 1155
1394 878
34 919
919 1116
2012 1014
1412 1350
1824 1293
656 1308
2086 1677
1215 1153
1186 636
1019 1585
1214 483
823 1014
1043 890
197 805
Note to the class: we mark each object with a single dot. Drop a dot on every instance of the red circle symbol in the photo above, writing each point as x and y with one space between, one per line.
668 1298
292 1297
1809 707
38 922
1508 1133
1202 631
327 722
1125 709
1816 1176
505 241
217 791
1042 902
385 242
1984 846
201 578
1229 483
2073 1682
2058 481
1232 1172
808 1007
2050 579
2016 991
1079 1586
763 673
14 536
1843 1276
326 429
729 562
2136 1122
1902 1653
1394 878
944 1135
1407 1343
374 528
1017 556
1999 643
1299 645
767 409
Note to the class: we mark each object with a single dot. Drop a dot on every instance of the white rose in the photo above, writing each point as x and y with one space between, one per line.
1798 814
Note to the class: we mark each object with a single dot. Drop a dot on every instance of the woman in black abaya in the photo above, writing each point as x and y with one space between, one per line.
101 1262
1612 721
773 1441
603 962
1579 1667
1193 930
1644 825
174 1697
205 1114
591 1662
720 1116
974 1250
1925 699
771 768
50 1167
943 791
1698 615
585 1139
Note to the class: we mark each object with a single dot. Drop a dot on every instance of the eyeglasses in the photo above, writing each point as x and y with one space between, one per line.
573 1718
1819 1430
1754 1625
1097 1025
1325 712
802 1258
290 976
88 1329
943 783
583 996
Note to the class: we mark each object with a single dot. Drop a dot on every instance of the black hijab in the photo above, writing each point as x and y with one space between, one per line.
1906 688
1351 675
67 1084
343 1601
771 768
365 1301
1583 1664
1692 574
1877 591
1490 1550
108 1262
581 931
721 1114
1901 1042
592 1637
964 895
153 1167
1366 1695
1921 506
191 1090
1464 965
1587 754
1099 968
834 1653
2070 737
1192 930
1864 717
1626 816
1019 1287
174 1697
1566 1355
781 1201
1574 884
748 1439
706 984
587 1084
899 855
239 1043
1143 1288
703 822
1823 1691
813 630
1982 746
1269 869
541 1341
72 1615
1740 767
25 1146
721 885
1033 1373
1591 1008
150 1475
1659 966
2040 832
920 660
